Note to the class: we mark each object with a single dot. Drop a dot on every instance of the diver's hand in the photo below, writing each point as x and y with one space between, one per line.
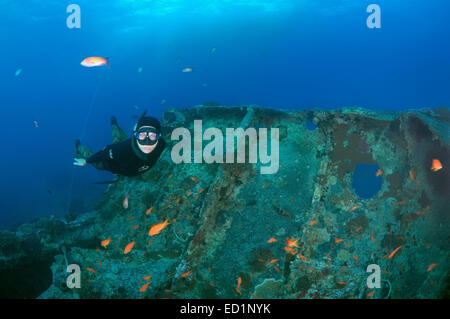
79 161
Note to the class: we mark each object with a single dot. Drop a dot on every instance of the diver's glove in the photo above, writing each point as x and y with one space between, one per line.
79 162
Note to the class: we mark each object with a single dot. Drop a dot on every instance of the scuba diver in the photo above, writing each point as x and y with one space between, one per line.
126 156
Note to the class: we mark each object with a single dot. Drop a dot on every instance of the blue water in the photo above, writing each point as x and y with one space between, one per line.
283 54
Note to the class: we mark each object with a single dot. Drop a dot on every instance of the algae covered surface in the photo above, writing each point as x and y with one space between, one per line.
302 232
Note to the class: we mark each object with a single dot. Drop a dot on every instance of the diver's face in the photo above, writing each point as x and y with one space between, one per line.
147 148
147 138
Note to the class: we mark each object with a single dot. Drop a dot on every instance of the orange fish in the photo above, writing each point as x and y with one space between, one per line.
436 165
273 261
432 266
194 179
371 236
370 294
338 240
412 175
272 240
148 211
355 258
353 208
95 61
239 285
188 193
342 282
135 227
91 270
290 250
125 202
292 243
201 190
185 274
156 229
302 257
379 172
147 277
144 287
393 253
312 222
170 176
105 242
129 247
211 284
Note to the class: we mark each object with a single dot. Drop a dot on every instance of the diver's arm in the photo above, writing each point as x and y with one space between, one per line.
100 156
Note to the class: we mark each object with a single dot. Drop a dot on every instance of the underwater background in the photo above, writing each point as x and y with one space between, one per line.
288 55
281 54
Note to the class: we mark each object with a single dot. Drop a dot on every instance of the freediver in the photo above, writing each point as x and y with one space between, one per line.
126 156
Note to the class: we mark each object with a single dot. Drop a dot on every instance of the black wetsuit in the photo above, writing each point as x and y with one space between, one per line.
125 158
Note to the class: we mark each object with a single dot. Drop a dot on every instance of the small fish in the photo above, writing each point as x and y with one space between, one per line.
163 101
432 266
211 284
18 72
156 229
187 70
140 70
91 270
94 61
273 261
292 243
302 257
212 50
148 211
370 294
188 193
338 240
147 277
313 222
379 172
185 274
342 282
393 253
358 229
355 258
193 178
201 190
272 240
412 175
105 242
371 236
436 165
36 123
136 107
144 287
277 269
129 247
239 285
290 250
353 208
125 202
